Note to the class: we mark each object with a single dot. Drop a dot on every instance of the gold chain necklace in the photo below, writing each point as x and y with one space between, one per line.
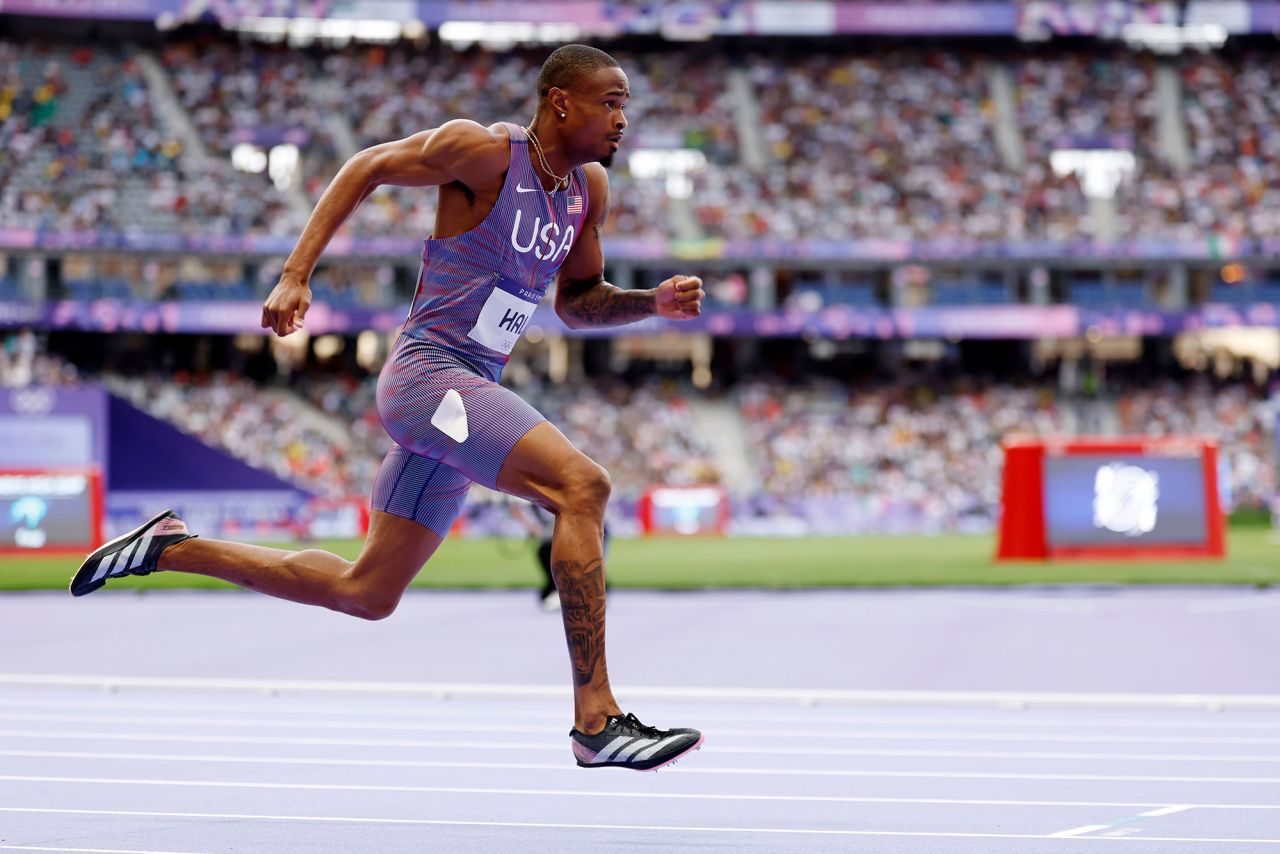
537 146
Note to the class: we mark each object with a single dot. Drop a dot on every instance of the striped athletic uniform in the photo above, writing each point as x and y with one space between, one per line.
438 394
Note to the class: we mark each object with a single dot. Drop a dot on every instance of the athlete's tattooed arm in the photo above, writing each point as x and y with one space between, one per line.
595 302
584 298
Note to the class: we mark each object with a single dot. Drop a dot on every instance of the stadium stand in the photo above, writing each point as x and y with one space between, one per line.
921 124
840 141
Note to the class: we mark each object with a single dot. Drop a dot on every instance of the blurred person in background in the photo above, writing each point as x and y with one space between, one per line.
518 207
541 527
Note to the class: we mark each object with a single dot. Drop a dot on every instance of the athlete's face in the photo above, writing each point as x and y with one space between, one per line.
594 109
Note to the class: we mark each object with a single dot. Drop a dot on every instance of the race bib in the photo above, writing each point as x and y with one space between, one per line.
504 316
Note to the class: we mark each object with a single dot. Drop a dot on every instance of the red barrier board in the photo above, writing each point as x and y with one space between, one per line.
1129 498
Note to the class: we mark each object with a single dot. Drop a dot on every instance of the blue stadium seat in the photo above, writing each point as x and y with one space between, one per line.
856 295
969 292
1232 294
213 291
82 290
1098 294
116 289
1269 292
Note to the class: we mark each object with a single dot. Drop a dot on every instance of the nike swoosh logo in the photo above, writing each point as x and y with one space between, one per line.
520 189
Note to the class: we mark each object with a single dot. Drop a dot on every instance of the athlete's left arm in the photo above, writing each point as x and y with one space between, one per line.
584 298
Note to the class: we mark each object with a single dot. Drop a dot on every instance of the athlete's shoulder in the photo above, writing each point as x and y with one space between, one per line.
473 135
473 149
597 189
596 173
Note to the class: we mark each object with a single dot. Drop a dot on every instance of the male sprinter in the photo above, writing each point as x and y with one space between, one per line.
518 207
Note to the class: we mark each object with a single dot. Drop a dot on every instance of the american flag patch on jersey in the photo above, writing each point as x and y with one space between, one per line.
575 204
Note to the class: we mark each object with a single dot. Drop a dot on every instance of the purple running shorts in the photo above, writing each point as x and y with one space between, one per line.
452 424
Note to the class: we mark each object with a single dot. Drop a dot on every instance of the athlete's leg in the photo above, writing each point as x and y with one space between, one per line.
415 502
369 587
492 436
547 469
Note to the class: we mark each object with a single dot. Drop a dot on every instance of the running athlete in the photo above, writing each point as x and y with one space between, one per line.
518 207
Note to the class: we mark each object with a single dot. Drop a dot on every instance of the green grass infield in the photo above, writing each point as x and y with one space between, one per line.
759 562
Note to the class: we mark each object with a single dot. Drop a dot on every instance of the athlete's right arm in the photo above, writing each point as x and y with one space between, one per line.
459 150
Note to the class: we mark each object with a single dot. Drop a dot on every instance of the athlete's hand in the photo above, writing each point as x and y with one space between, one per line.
680 298
286 307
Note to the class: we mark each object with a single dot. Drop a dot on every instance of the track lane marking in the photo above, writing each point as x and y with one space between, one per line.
543 746
803 696
449 709
566 766
803 831
827 735
595 793
1091 828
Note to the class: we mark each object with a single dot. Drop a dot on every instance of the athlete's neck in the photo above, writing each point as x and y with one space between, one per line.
559 163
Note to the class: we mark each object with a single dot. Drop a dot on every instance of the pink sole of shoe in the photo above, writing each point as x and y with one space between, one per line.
697 745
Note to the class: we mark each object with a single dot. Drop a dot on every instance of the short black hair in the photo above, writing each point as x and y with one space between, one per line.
566 64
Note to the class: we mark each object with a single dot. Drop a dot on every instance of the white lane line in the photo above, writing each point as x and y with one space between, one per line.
433 710
596 793
1212 607
1090 828
1077 831
804 831
566 766
804 696
507 746
756 733
1170 810
88 850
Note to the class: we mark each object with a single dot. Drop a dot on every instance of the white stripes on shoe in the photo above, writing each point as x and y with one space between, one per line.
606 752
625 747
640 757
104 567
137 556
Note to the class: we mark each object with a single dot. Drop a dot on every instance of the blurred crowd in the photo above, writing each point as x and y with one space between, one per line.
24 362
1241 420
823 457
892 143
912 456
1231 109
890 458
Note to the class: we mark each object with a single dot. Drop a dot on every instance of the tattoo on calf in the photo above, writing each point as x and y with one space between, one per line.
581 590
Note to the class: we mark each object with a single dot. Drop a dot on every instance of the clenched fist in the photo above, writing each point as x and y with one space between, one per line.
286 307
680 298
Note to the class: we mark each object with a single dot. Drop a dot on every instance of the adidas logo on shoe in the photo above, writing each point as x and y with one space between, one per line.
134 553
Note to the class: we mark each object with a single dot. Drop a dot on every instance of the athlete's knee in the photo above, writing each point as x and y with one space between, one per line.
361 597
372 606
587 487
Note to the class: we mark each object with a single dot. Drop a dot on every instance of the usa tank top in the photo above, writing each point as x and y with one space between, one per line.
477 290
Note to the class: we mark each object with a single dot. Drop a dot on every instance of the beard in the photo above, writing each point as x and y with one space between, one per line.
607 160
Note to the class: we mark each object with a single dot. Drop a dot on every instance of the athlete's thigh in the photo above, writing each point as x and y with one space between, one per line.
394 552
414 504
447 413
542 466
427 492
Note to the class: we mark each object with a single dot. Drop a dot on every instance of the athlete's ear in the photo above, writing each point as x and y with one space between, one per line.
558 100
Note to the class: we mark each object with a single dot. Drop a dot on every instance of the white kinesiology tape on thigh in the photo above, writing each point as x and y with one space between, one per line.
451 417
